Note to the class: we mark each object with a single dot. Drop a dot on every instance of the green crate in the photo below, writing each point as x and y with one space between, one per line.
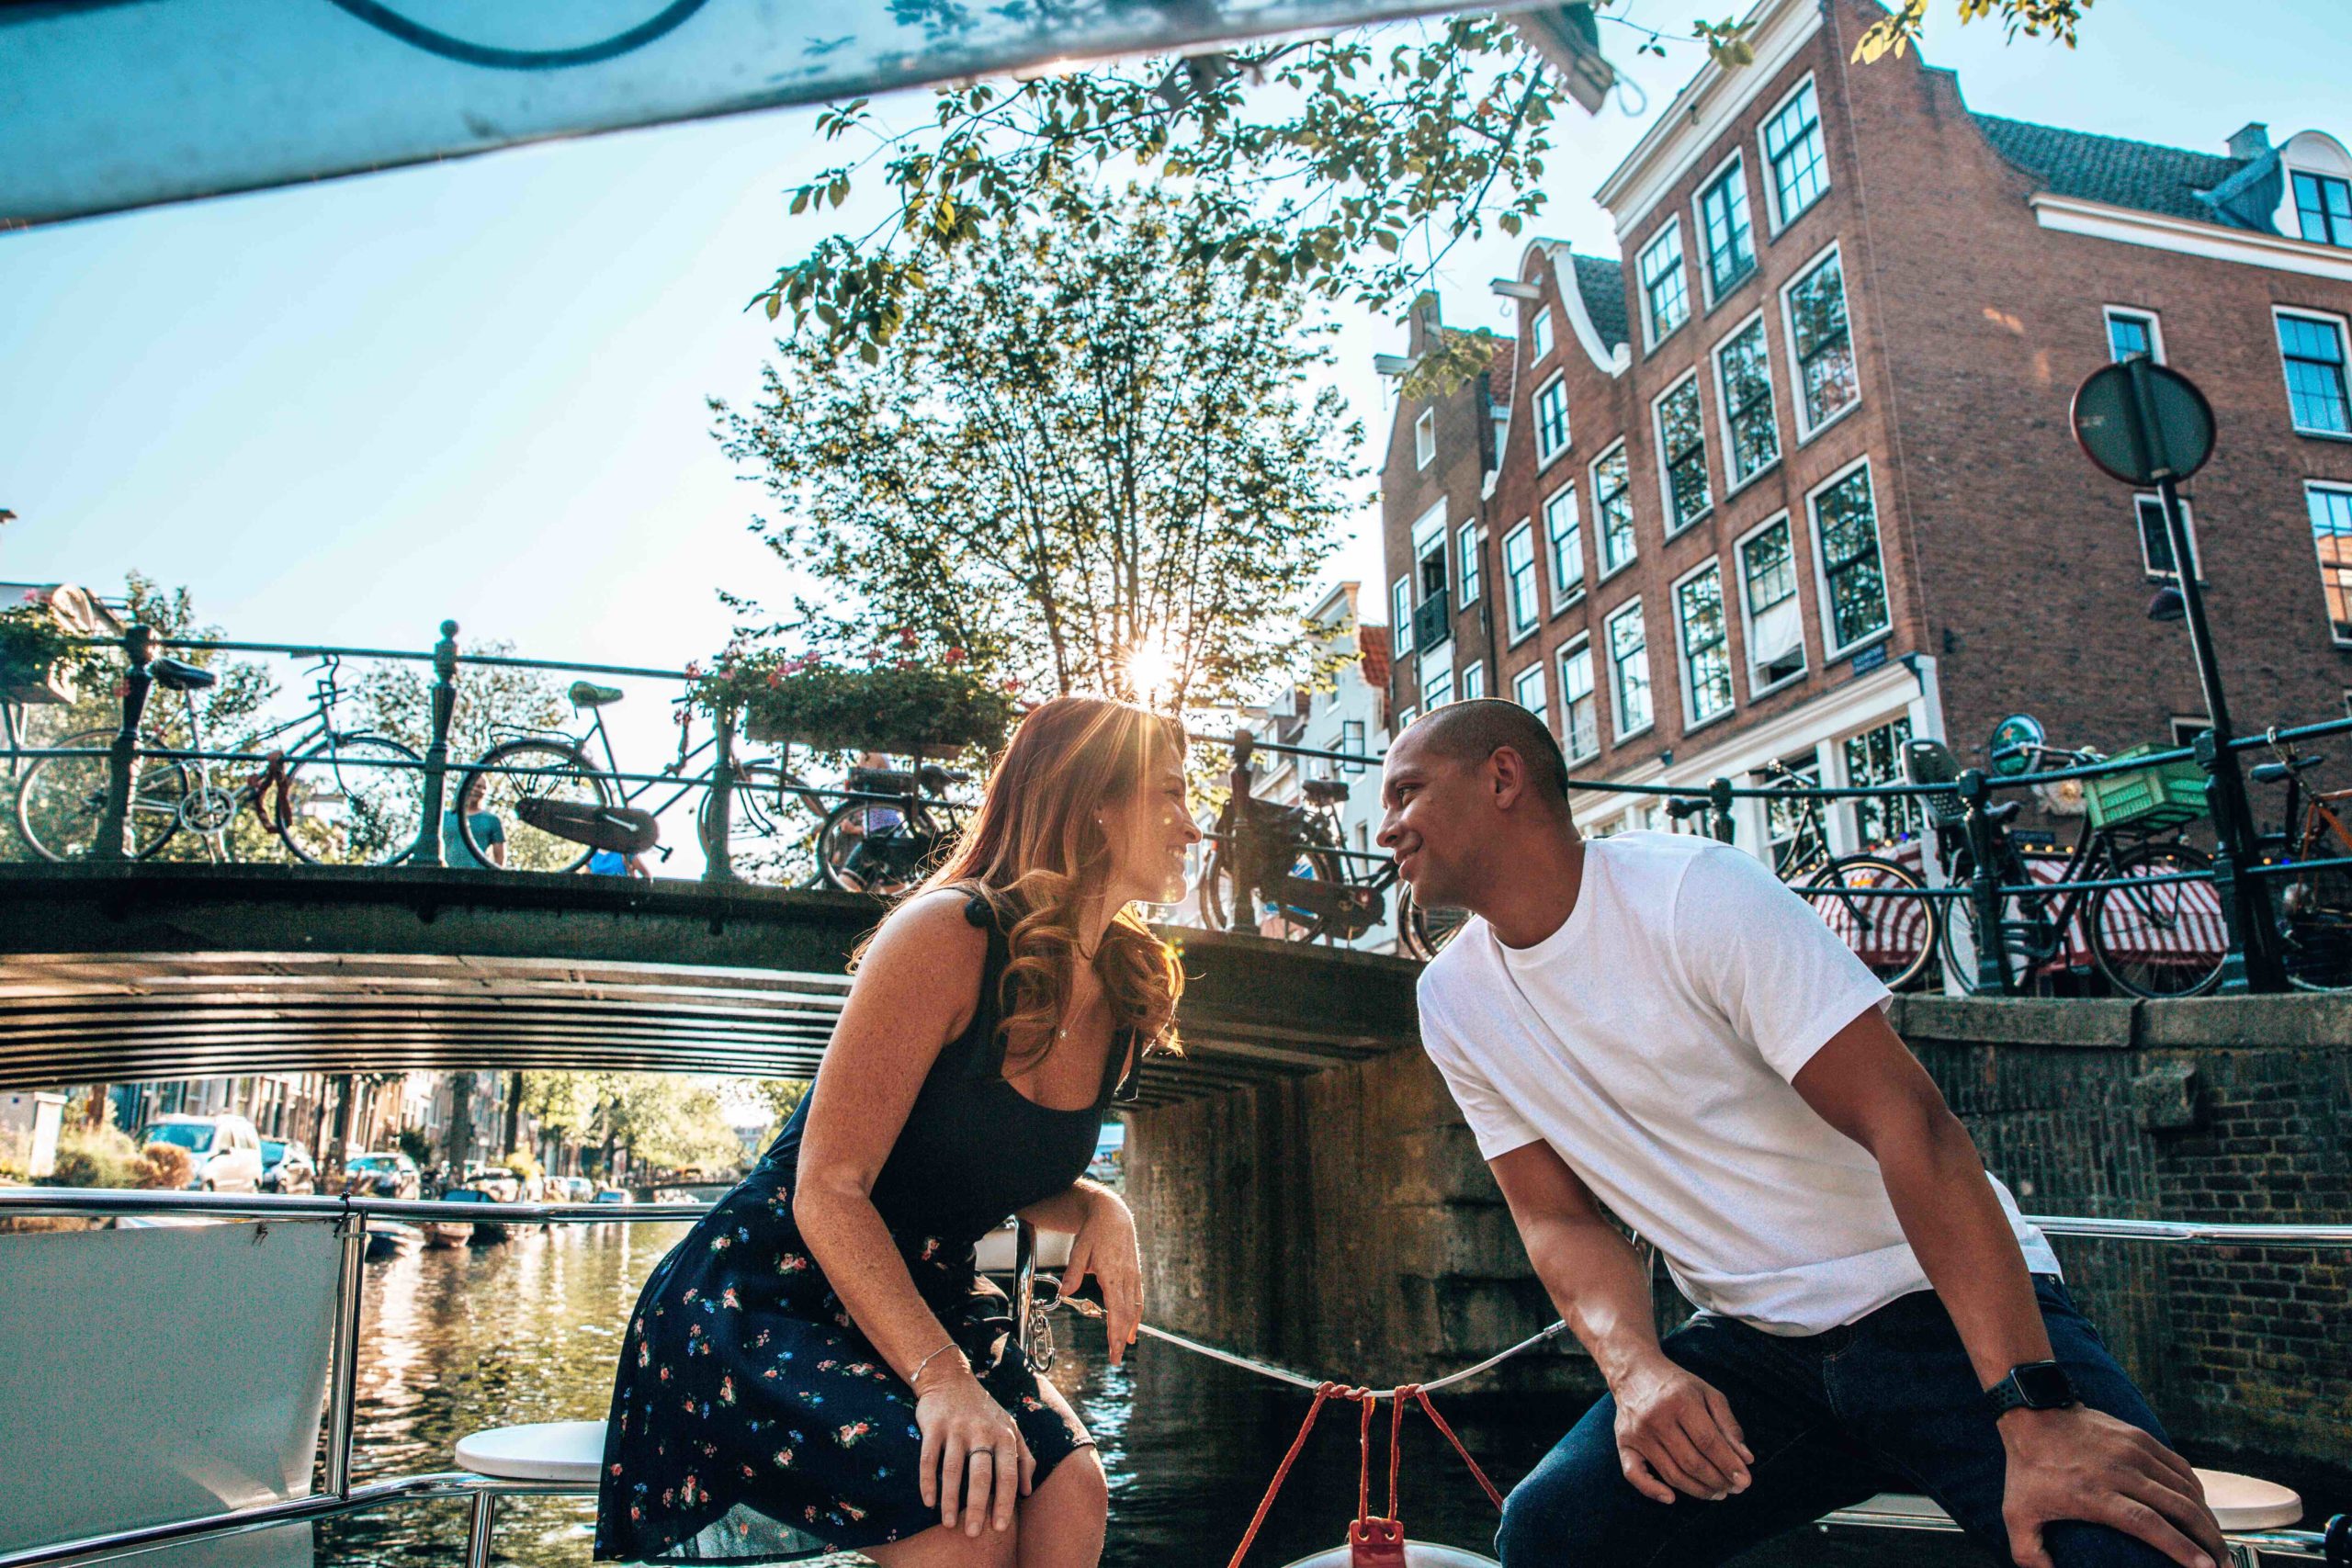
2164 795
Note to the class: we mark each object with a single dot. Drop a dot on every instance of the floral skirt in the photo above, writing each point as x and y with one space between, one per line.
751 1421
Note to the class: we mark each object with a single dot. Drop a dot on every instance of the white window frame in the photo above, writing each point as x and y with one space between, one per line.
1438 661
1805 432
1691 719
1780 221
2189 523
2107 314
2288 203
1619 733
1600 536
1465 541
1754 318
1556 384
1542 338
1520 633
1666 508
1400 607
1533 675
1782 518
1470 681
1425 439
1405 717
2343 330
1669 230
2335 487
1736 163
1564 594
1567 650
1820 574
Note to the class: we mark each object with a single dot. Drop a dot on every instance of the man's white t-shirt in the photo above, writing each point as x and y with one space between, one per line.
1651 1041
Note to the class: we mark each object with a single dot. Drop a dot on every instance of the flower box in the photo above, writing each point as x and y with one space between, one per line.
906 708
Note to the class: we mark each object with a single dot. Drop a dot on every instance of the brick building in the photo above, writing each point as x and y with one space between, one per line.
1796 481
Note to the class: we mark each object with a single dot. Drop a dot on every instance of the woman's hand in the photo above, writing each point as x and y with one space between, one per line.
1106 1247
975 1464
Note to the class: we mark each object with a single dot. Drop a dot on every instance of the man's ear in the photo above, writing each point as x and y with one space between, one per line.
1506 776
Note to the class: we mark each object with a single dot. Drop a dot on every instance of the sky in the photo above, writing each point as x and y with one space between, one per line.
343 411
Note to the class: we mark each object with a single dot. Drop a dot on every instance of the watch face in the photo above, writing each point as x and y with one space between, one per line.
2045 1387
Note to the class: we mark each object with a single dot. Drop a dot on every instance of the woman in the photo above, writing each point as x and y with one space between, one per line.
816 1366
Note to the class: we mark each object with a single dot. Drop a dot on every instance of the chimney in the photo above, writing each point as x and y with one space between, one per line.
2251 140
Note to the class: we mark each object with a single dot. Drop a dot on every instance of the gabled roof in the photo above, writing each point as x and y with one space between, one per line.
2205 187
1374 645
1501 366
1601 286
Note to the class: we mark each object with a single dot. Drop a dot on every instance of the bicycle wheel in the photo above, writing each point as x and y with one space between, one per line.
1223 899
508 776
357 800
1422 931
62 800
2315 928
864 847
2166 939
1877 908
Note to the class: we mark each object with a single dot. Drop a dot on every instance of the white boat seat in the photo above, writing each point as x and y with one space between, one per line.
2239 1503
1417 1554
567 1451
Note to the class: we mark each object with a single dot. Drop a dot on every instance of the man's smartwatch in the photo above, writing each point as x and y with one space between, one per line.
2035 1385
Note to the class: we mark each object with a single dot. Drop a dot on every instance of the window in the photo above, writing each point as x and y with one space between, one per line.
1768 577
1405 717
1784 818
1628 662
2312 350
1351 744
1579 709
2155 539
1724 230
1437 684
1564 532
1551 420
1400 618
1433 572
1612 510
1845 529
1793 152
2130 333
1473 681
1683 456
2323 209
1874 757
1665 298
1425 439
1527 691
1539 335
2184 731
1706 647
1821 345
1466 544
1743 380
1519 579
2331 508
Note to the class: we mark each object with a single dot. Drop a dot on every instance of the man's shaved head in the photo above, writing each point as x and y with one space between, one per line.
1472 731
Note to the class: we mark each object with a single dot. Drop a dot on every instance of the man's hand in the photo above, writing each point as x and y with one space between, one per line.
2079 1463
1675 1433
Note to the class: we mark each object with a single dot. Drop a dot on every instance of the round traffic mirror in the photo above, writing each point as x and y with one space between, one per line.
2141 422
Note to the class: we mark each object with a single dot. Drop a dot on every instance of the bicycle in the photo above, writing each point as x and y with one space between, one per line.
2314 907
330 796
2161 939
1878 907
533 780
1291 864
897 821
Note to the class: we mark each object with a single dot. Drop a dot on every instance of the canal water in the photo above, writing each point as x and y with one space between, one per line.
527 1331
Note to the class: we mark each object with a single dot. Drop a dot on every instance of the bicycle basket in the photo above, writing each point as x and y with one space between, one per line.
2163 795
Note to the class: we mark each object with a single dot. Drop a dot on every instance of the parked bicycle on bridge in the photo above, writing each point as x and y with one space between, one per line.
896 822
2313 906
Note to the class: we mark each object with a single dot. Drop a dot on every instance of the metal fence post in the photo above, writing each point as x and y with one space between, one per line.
717 854
114 840
344 1391
429 850
1719 808
1984 889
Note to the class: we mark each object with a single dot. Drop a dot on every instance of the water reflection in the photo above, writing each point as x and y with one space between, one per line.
526 1331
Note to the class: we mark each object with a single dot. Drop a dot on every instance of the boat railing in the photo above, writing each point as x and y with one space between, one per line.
353 1217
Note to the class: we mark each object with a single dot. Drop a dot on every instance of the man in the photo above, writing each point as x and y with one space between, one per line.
1653 1023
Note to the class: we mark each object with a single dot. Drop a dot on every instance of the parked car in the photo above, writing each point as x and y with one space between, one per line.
610 1195
578 1190
503 1185
286 1167
224 1152
485 1233
386 1174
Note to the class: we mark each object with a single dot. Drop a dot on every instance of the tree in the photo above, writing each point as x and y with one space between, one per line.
1347 165
1087 461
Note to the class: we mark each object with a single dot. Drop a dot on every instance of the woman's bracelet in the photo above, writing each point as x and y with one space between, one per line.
914 1379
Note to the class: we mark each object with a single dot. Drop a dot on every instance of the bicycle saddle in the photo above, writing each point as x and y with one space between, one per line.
1324 792
179 675
588 694
2271 773
936 779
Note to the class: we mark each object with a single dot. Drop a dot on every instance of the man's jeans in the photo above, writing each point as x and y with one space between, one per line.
1889 1403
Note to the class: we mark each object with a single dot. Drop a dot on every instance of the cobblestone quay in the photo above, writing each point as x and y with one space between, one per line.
1344 1224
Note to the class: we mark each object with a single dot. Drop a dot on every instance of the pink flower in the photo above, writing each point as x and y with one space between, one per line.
694 669
954 656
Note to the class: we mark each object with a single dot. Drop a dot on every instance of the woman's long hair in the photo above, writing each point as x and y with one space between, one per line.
1037 851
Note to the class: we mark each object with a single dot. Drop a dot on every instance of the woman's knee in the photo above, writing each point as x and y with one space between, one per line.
1075 1492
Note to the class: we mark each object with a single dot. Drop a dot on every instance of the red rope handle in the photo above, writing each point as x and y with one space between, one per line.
1395 1444
1492 1496
1282 1472
1365 1398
